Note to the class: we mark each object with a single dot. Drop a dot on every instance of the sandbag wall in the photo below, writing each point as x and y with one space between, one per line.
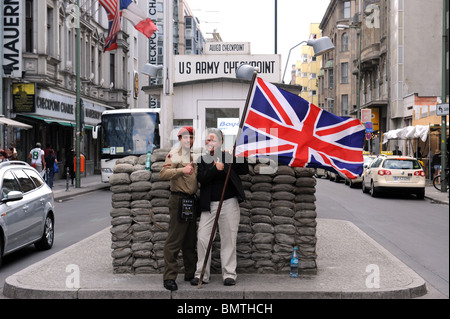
279 213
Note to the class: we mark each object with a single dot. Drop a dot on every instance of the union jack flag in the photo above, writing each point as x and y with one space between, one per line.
300 134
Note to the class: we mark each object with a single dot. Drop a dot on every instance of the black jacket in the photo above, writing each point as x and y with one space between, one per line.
207 173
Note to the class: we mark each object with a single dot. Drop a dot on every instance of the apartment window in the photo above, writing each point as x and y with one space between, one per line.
331 78
344 42
99 65
344 99
188 44
50 33
29 26
112 67
346 9
344 72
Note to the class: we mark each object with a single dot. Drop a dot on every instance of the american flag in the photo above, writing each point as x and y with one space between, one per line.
299 134
132 12
113 9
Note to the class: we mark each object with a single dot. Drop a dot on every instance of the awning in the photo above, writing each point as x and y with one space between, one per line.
418 131
12 123
50 120
57 121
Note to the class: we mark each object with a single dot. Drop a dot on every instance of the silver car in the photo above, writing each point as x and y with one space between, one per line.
27 209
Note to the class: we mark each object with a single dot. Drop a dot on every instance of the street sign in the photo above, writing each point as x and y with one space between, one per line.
442 109
366 115
369 127
368 136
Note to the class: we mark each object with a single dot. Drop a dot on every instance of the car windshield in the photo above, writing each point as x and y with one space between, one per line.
401 164
368 160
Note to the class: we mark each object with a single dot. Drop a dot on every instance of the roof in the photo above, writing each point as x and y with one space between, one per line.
155 89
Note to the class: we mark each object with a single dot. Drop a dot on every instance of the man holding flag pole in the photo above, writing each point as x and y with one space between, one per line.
298 133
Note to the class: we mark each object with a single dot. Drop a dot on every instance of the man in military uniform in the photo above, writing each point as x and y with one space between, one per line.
181 170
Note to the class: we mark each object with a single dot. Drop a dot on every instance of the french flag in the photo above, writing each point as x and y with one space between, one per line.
133 13
130 11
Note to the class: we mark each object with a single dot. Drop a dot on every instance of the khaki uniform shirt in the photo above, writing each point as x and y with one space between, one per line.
173 171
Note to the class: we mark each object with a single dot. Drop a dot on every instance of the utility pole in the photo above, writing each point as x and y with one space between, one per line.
276 26
78 98
167 96
444 98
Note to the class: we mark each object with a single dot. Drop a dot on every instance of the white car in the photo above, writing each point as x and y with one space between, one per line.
27 209
399 174
357 181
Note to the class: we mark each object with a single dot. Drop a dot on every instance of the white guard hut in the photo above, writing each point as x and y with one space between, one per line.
206 92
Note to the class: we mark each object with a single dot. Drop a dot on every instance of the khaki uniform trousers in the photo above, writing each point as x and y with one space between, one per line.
228 225
181 236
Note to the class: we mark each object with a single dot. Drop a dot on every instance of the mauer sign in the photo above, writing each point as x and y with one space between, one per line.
12 37
197 67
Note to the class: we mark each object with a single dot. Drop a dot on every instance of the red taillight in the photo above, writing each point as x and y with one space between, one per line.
382 172
419 173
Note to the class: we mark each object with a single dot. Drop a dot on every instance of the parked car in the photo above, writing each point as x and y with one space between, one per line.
27 209
320 172
400 174
357 181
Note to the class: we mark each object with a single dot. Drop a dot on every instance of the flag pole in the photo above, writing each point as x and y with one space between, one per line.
216 220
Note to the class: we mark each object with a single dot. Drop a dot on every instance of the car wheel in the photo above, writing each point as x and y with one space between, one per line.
363 187
373 192
46 241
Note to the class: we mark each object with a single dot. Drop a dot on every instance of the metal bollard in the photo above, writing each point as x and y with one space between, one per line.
67 179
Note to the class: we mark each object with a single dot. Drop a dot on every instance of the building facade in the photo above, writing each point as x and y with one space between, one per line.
45 71
48 76
386 51
308 68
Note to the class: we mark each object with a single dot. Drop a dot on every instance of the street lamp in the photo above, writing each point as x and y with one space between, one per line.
358 93
246 72
151 70
320 46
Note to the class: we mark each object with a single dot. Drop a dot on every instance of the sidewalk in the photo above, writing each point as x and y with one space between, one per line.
435 195
88 184
350 265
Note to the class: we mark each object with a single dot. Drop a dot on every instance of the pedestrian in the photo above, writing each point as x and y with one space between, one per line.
37 158
397 151
181 170
50 161
48 147
212 170
436 162
3 156
11 153
69 163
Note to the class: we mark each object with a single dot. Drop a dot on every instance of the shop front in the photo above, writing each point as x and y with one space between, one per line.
53 125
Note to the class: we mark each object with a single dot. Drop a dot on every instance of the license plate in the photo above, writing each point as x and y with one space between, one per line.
401 178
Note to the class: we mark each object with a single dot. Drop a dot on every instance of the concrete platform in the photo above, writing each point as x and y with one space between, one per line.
350 265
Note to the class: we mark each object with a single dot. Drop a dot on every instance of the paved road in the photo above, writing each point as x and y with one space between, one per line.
415 231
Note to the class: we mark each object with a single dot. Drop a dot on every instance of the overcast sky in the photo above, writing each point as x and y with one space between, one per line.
253 21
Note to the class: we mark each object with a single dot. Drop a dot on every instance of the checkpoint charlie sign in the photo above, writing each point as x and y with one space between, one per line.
209 66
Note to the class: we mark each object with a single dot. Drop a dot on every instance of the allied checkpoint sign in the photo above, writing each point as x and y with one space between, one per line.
212 66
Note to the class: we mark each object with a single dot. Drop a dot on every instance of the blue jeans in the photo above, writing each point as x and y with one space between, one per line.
50 175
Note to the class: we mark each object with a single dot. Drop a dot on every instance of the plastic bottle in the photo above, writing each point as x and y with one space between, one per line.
294 263
148 161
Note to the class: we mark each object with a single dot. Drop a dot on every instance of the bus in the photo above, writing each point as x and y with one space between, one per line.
126 132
